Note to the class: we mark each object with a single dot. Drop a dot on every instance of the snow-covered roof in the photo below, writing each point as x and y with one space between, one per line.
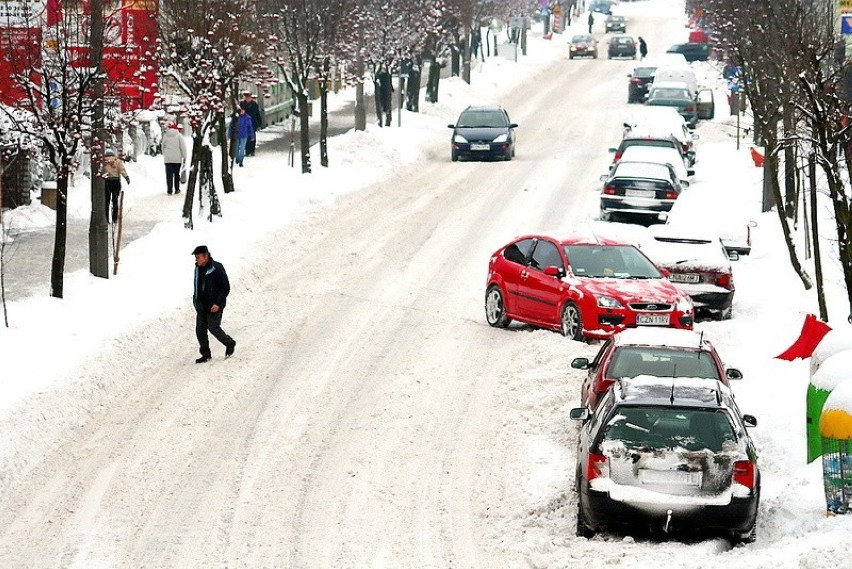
649 170
671 337
833 371
836 341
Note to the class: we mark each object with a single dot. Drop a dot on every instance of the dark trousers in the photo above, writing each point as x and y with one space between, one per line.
209 322
173 176
250 147
112 187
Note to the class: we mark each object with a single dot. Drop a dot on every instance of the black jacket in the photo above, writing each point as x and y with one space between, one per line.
211 286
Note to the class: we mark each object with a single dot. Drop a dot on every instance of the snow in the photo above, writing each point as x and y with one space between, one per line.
484 477
837 340
840 399
660 337
833 371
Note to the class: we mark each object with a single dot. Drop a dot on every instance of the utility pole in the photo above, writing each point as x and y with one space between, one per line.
98 227
360 109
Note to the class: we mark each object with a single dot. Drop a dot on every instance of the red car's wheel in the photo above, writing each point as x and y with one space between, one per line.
495 307
572 322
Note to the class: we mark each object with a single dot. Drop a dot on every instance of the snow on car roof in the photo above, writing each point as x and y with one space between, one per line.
833 371
687 390
668 337
642 170
669 85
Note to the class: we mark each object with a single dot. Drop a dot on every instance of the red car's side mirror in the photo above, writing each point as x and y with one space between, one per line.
666 273
554 271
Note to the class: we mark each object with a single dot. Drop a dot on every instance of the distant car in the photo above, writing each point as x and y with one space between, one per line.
698 264
670 455
583 45
585 288
663 121
639 189
656 352
621 46
659 155
692 51
483 132
640 82
615 23
647 137
677 95
602 6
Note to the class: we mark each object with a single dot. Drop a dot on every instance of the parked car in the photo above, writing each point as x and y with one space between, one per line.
615 23
677 95
640 81
621 46
483 132
659 155
585 288
663 121
668 455
647 137
698 264
677 73
692 51
583 45
657 352
639 189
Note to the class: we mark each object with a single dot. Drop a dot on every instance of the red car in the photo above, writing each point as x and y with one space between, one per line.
659 353
585 288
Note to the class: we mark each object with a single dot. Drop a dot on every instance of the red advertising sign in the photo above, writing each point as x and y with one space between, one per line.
20 56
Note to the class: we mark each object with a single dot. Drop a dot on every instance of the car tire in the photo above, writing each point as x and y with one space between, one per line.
583 530
747 537
454 156
571 322
495 307
726 314
570 57
605 216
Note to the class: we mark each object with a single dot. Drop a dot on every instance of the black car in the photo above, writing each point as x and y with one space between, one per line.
640 82
483 132
615 24
602 6
691 51
668 455
639 189
621 46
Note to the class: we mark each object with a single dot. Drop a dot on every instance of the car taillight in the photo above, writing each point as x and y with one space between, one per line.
689 108
636 80
671 195
724 280
595 467
617 157
609 190
743 473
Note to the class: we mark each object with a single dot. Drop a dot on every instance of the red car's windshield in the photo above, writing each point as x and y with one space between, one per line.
610 261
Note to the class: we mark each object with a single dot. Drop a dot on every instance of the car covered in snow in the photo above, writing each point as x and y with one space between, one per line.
659 352
668 455
698 264
584 287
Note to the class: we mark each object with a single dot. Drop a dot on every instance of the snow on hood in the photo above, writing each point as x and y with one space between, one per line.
630 290
833 371
837 340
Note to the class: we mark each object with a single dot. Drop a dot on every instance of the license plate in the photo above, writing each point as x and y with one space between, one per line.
685 278
480 147
639 193
652 319
670 477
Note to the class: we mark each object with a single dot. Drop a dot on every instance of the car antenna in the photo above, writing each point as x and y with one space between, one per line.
700 343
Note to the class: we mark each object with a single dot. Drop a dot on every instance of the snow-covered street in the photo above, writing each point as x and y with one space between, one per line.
370 416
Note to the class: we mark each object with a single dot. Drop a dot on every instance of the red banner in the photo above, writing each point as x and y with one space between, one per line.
20 57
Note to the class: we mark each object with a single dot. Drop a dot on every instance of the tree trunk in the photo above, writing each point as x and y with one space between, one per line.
225 151
465 47
413 90
433 82
323 141
823 310
455 64
360 109
194 161
789 162
98 227
57 267
377 95
304 132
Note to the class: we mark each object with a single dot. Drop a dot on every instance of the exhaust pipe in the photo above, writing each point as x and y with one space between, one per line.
668 521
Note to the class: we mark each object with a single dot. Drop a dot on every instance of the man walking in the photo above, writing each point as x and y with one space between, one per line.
174 154
209 297
241 127
643 48
253 111
591 21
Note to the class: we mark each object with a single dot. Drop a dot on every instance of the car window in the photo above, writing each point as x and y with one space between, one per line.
517 252
610 261
482 119
631 361
666 428
546 255
599 356
667 93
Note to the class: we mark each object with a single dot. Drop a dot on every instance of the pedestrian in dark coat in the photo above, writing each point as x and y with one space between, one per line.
591 21
253 111
209 297
241 126
643 48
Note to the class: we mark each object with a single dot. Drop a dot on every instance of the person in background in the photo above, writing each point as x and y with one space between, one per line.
114 171
643 48
591 21
253 111
209 297
242 127
174 155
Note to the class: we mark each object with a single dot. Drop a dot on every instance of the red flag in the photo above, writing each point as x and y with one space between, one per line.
813 331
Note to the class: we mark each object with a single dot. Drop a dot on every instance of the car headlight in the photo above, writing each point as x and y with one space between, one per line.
573 48
459 138
607 301
591 48
684 304
502 138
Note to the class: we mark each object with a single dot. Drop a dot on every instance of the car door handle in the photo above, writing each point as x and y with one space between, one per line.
524 274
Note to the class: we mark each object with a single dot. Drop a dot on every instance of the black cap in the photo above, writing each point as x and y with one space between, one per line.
200 249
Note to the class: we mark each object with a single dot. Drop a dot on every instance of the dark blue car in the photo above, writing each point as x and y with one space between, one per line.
483 132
